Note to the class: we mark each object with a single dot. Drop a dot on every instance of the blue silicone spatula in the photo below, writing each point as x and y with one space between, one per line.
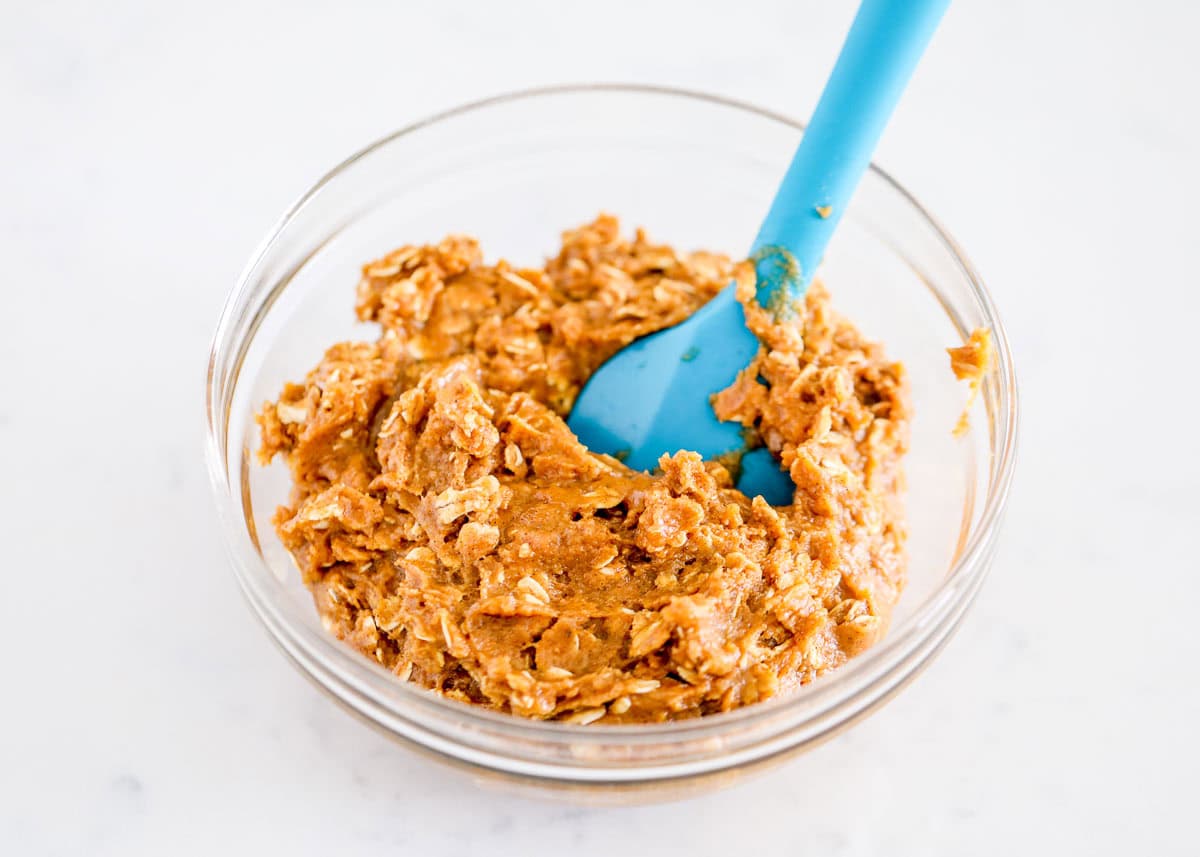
653 396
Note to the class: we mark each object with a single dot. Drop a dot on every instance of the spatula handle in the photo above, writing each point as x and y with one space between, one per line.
882 49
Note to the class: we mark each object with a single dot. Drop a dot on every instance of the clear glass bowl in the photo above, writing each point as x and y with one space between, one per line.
697 171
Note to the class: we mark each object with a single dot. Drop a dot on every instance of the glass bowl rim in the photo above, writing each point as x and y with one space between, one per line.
969 569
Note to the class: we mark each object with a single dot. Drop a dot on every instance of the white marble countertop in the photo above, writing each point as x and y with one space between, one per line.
148 146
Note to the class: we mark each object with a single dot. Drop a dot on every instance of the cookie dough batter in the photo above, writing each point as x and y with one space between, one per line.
971 362
451 527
